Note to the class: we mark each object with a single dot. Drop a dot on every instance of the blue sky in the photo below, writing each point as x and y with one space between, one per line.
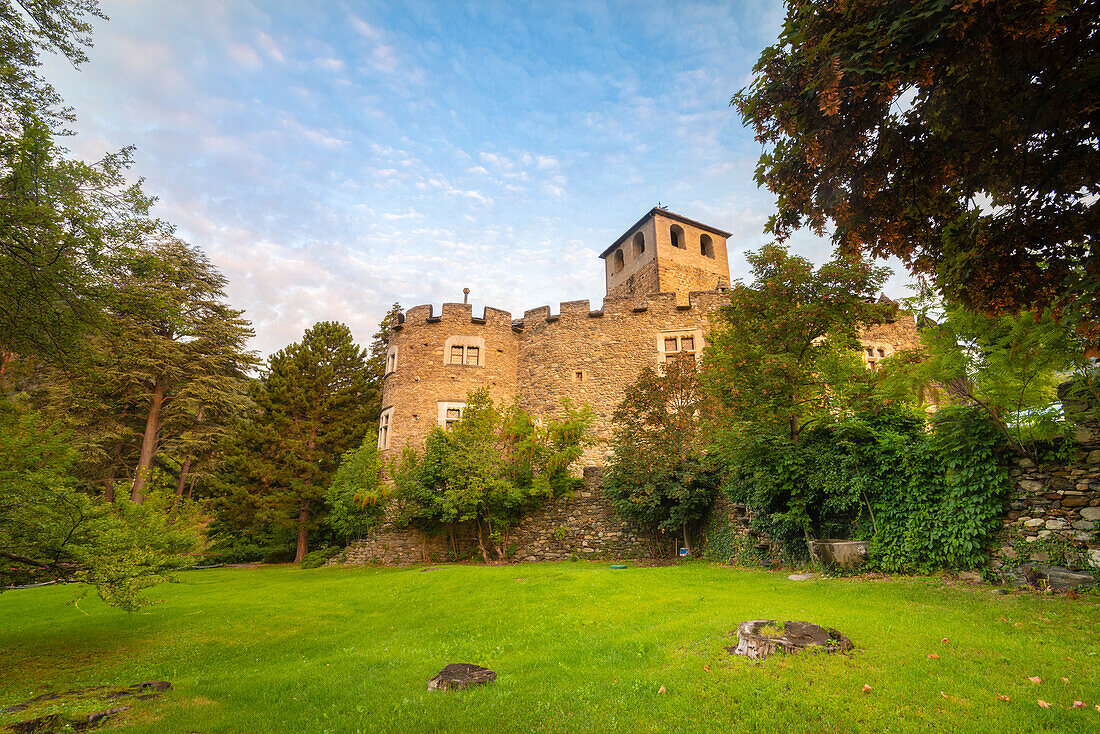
334 157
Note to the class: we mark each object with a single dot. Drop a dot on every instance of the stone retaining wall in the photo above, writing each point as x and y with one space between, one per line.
1058 504
583 523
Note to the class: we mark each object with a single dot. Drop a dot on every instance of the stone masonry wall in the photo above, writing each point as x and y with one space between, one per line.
591 357
583 523
424 376
1055 503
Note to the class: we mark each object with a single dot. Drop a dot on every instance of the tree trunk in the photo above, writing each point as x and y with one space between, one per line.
687 541
182 482
481 541
149 442
454 545
303 532
109 487
186 467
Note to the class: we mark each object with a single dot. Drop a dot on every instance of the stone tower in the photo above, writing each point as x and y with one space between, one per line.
666 253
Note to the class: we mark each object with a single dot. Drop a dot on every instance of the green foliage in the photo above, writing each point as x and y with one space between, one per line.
356 493
492 466
897 127
782 355
1008 366
659 475
561 533
27 29
727 545
318 558
63 226
927 497
50 530
281 462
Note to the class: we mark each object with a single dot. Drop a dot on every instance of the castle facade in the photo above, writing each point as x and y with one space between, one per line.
666 277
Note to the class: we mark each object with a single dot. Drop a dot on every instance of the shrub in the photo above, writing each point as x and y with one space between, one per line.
318 558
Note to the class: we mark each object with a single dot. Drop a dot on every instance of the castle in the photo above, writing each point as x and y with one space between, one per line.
666 277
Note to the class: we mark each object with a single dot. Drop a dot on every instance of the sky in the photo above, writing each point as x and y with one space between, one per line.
332 158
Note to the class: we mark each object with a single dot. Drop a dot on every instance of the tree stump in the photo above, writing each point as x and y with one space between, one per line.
461 675
754 642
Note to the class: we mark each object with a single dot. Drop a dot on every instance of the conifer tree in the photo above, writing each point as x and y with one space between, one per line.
312 411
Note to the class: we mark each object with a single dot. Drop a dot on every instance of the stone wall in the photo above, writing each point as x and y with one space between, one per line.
591 357
581 523
1055 503
424 375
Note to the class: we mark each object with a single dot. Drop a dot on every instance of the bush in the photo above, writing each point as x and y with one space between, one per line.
318 558
927 497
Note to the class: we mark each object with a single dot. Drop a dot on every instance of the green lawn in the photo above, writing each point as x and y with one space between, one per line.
578 648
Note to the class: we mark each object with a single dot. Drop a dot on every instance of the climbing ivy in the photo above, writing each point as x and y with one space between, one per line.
927 494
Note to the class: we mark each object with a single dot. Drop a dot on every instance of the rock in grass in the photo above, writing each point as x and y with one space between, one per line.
461 675
758 638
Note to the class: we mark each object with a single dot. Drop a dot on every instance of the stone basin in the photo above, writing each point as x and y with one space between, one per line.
845 554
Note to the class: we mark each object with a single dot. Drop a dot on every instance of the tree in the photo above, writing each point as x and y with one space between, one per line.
958 136
28 28
311 406
1008 367
491 467
357 491
659 474
782 354
49 530
64 227
176 349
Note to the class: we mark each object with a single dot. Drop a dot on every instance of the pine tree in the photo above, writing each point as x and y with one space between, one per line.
312 411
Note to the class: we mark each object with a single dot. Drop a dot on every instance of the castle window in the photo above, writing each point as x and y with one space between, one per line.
384 428
464 350
671 344
391 360
706 245
639 245
881 352
676 234
578 376
450 413
619 262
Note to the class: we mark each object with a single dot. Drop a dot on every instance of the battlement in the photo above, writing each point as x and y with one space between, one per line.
656 303
454 313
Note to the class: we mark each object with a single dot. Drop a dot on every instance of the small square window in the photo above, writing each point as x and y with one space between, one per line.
670 344
687 344
456 355
472 355
578 376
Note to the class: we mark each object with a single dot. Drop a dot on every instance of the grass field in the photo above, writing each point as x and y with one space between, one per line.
578 648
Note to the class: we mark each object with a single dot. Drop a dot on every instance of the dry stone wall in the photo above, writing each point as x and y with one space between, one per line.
582 523
1054 508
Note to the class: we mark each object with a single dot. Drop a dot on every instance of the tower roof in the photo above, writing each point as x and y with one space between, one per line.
664 213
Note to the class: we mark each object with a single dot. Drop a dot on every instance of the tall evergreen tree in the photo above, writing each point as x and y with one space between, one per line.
312 411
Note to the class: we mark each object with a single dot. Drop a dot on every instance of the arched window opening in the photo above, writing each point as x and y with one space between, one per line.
639 245
676 234
619 262
706 245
